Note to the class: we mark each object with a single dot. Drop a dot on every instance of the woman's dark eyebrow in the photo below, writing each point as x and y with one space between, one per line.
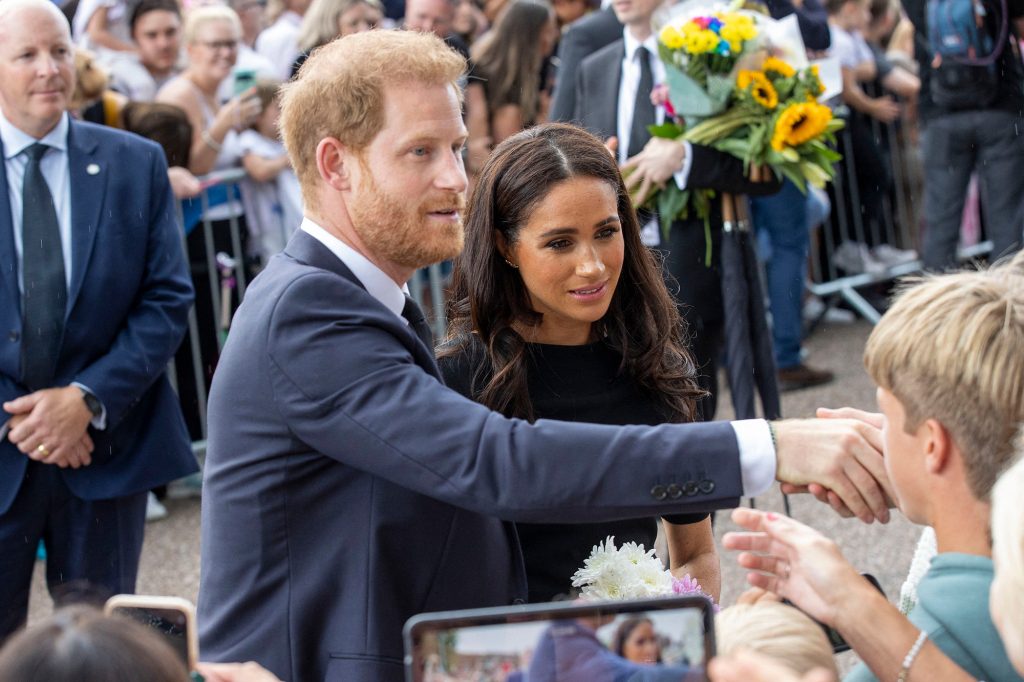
560 231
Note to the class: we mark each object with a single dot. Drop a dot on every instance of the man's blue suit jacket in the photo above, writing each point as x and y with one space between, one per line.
347 489
127 312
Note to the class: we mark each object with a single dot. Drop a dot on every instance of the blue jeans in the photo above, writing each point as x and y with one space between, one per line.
781 223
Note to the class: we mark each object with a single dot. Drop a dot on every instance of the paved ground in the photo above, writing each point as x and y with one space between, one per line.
170 559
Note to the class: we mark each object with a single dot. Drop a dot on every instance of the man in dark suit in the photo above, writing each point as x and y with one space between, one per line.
95 297
613 101
346 488
582 39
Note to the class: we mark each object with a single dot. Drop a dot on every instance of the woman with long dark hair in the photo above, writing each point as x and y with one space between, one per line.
558 311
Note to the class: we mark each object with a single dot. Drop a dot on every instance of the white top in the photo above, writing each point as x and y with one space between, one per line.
757 454
131 78
273 209
849 47
117 23
280 43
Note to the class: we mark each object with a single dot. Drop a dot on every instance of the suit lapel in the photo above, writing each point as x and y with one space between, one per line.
88 183
9 264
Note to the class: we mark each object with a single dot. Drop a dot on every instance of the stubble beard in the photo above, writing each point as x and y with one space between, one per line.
402 234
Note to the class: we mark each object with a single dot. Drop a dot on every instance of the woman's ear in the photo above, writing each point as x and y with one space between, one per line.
503 247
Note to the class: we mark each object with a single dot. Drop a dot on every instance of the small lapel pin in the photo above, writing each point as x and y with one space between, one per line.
92 169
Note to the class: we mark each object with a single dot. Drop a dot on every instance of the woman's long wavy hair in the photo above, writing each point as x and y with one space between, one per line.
509 57
489 300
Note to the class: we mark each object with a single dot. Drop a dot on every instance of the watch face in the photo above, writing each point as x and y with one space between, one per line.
93 403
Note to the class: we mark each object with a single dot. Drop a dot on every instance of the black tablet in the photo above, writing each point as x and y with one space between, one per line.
658 640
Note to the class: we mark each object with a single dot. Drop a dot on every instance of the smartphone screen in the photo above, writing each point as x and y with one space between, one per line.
244 79
171 624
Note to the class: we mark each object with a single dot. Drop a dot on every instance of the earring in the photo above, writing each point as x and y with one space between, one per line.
511 264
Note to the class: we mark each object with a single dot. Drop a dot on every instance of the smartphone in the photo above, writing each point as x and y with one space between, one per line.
173 618
244 79
562 642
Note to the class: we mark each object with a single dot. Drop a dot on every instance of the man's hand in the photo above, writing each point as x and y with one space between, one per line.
183 183
50 426
660 159
795 562
235 672
747 666
838 456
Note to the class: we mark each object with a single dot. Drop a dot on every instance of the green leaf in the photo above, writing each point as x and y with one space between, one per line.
668 129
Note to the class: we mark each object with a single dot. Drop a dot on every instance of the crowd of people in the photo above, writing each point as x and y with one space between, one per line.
574 393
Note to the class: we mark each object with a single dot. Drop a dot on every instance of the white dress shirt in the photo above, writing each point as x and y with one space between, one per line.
650 233
54 166
757 454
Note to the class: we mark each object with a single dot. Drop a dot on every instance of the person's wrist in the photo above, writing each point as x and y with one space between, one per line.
856 604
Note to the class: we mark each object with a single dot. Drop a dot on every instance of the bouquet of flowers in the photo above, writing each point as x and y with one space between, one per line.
740 82
629 572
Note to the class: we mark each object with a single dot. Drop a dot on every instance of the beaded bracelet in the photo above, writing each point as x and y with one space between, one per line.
908 660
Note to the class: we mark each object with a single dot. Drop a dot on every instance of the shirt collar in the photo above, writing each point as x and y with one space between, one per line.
16 141
377 284
632 44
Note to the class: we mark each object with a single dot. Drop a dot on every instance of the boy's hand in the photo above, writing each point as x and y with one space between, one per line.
796 562
841 459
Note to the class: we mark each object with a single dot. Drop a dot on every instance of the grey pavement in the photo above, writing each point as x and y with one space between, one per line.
170 557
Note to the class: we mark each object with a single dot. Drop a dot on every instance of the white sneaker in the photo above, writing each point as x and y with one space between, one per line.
890 255
154 510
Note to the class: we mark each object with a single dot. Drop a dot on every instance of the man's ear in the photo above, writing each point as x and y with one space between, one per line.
938 445
334 162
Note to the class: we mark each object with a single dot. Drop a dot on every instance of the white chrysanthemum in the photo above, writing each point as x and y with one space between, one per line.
630 572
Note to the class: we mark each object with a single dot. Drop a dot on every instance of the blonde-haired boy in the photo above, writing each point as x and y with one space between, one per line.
947 358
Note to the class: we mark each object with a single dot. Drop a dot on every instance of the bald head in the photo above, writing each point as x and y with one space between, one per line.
11 11
37 72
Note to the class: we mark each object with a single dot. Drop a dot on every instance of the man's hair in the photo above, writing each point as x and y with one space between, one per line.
147 6
208 14
778 631
1008 535
833 7
951 348
80 643
339 92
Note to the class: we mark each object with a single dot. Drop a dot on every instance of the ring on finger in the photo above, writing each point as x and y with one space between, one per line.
42 450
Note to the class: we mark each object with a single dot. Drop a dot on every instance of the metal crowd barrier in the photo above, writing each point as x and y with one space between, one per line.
899 225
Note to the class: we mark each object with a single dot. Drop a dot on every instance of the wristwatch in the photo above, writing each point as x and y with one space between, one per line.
92 403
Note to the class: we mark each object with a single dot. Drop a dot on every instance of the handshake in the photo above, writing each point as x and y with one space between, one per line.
839 459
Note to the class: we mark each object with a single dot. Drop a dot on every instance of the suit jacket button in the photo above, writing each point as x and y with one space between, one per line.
707 486
674 491
14 335
690 488
658 492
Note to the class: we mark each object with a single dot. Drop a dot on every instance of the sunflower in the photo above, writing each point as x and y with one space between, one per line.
761 89
799 123
778 67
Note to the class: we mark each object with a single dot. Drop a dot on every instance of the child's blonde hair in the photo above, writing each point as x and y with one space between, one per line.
775 630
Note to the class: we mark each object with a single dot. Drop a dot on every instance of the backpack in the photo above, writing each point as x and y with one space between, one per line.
965 43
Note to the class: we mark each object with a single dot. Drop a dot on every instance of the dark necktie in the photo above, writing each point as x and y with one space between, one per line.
418 322
45 288
643 110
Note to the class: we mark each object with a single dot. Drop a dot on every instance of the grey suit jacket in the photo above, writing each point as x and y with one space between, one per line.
347 489
582 39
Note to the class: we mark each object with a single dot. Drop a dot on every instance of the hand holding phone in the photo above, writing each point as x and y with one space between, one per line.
173 618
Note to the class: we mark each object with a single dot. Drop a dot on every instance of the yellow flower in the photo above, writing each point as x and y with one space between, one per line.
761 89
777 66
671 38
700 41
799 123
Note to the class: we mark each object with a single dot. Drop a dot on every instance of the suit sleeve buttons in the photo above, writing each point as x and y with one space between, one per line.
674 491
659 493
707 486
690 488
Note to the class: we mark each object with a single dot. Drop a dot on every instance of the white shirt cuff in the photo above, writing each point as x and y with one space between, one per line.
757 455
682 175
